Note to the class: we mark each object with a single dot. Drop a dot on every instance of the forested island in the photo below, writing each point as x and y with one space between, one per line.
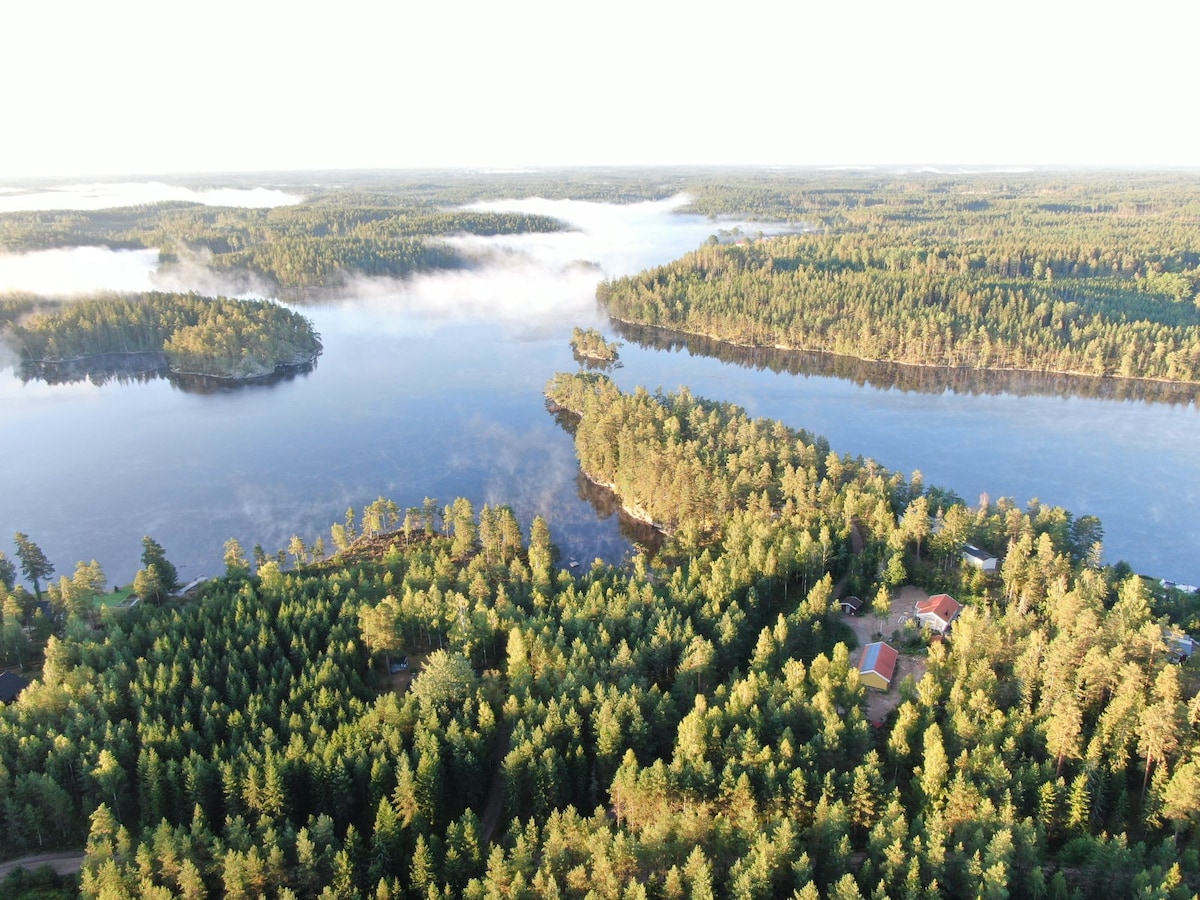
212 337
691 727
588 344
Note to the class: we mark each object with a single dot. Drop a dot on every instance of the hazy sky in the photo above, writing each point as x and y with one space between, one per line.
146 88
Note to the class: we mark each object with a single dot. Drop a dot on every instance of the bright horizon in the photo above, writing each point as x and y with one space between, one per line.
101 90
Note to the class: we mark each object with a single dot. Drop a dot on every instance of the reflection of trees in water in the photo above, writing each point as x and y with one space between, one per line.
598 365
565 419
208 384
642 536
100 369
143 367
923 379
605 502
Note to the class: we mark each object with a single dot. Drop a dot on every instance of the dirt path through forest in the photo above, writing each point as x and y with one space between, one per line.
495 801
66 863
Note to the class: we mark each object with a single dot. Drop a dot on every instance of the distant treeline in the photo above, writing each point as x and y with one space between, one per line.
314 244
198 335
1134 205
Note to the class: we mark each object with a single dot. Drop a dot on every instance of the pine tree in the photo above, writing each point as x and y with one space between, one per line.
148 584
236 564
386 836
34 564
935 765
421 871
8 572
154 555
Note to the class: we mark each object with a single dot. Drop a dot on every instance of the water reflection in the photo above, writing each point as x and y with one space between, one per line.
597 365
144 367
640 534
433 387
922 379
121 368
209 384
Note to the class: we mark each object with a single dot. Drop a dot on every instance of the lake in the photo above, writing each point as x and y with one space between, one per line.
433 387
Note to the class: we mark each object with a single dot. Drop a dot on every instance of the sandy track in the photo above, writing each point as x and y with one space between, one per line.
66 863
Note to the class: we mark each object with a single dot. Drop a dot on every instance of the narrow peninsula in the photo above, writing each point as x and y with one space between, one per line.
1081 278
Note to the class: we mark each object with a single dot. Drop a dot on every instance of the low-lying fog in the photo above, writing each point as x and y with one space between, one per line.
428 386
73 271
528 281
111 195
520 280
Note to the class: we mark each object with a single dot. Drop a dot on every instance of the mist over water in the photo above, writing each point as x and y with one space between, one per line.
75 271
620 240
111 195
432 386
518 295
68 273
530 282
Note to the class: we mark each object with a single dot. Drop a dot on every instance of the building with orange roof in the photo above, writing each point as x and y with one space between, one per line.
877 665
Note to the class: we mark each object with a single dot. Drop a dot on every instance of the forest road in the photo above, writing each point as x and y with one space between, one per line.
66 863
495 800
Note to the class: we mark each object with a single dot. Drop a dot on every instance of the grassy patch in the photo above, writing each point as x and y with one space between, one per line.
114 598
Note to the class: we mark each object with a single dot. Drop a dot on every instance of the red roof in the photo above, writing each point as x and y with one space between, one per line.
879 658
943 606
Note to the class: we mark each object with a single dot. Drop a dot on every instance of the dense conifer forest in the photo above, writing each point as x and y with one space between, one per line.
1073 275
687 726
440 708
589 345
311 245
197 335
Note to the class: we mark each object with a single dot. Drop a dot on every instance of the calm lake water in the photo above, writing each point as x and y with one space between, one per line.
434 388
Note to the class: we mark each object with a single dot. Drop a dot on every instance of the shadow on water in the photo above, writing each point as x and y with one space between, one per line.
139 368
564 418
922 379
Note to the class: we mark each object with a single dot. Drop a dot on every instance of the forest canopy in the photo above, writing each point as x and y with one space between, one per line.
216 337
311 245
694 726
1078 274
437 710
692 729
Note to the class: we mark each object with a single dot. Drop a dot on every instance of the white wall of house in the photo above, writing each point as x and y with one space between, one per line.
987 563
